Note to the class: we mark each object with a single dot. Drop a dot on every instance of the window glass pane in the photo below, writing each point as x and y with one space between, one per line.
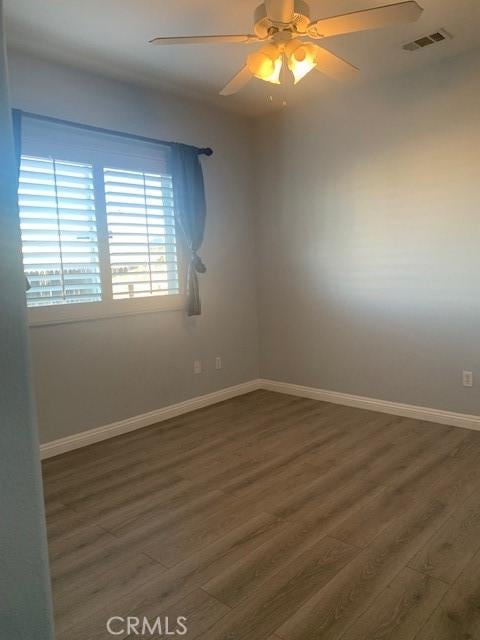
59 233
141 230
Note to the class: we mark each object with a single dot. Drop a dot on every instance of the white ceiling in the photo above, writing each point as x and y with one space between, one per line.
111 37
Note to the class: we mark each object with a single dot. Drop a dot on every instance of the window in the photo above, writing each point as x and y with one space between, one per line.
141 233
98 225
59 233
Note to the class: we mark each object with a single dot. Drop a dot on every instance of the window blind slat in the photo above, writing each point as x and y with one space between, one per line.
141 267
124 214
69 268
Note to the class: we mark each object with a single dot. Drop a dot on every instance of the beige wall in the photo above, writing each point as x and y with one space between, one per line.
92 373
369 257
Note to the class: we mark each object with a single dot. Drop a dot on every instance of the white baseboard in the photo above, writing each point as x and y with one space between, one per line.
439 416
83 439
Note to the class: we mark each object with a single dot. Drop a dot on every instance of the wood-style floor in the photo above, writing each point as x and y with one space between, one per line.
271 517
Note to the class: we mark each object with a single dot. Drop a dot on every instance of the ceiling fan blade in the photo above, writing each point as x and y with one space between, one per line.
204 39
237 82
333 66
398 13
280 10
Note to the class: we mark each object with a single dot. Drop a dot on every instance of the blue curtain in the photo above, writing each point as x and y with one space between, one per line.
190 211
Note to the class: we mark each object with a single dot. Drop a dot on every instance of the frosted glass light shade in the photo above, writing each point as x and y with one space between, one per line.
301 59
266 64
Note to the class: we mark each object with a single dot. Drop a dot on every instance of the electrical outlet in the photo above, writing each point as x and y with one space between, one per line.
467 378
218 363
197 366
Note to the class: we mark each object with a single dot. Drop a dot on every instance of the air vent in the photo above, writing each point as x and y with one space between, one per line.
426 41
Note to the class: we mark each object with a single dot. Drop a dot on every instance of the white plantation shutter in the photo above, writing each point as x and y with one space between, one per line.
141 231
59 235
97 222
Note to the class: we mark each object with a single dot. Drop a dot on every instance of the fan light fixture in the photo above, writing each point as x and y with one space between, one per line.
281 24
267 63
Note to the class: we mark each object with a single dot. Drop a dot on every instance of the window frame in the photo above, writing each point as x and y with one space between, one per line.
99 159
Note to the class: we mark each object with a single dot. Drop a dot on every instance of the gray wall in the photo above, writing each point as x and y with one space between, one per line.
369 256
25 605
367 259
92 373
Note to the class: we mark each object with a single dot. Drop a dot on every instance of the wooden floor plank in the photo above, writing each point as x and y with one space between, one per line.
419 480
82 550
81 600
178 539
400 610
198 612
449 551
457 617
162 593
248 574
265 608
331 611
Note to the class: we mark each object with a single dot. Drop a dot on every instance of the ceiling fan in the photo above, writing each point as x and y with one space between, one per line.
282 23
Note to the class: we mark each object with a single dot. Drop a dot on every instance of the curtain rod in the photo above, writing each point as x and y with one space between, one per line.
205 151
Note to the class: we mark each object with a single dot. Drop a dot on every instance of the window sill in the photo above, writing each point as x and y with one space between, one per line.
68 314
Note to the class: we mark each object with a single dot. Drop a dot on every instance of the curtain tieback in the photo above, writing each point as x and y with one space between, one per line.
197 263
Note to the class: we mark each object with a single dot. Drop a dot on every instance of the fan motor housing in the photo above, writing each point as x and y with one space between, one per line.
263 25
